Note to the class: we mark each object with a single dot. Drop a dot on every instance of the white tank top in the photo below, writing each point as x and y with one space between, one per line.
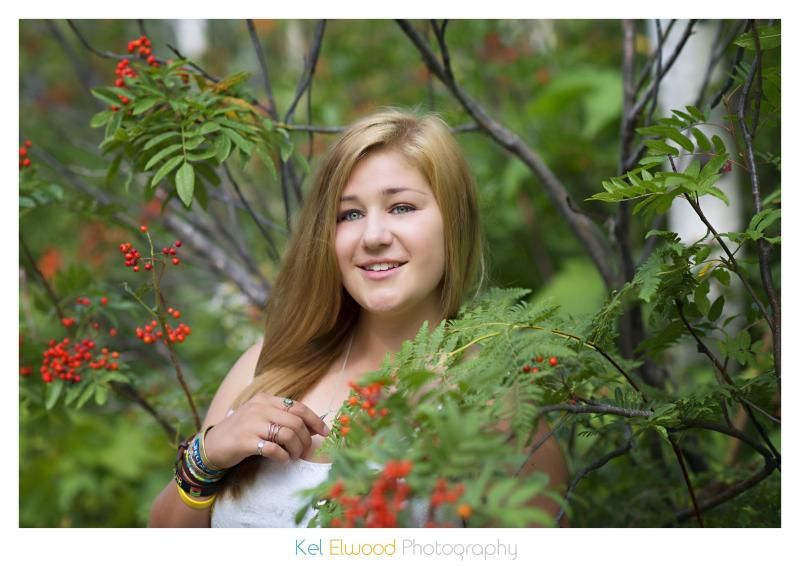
272 500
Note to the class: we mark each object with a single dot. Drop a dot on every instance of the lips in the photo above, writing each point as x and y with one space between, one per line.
377 275
400 264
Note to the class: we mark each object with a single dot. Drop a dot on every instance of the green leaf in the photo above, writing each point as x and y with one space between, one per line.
113 124
101 119
184 180
144 105
222 148
54 390
161 155
680 139
243 145
702 141
160 138
86 395
701 297
165 169
768 38
722 275
113 170
105 95
716 308
208 128
101 395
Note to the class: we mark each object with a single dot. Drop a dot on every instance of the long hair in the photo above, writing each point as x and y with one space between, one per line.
309 314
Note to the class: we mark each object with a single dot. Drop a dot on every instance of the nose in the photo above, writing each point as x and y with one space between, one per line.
376 232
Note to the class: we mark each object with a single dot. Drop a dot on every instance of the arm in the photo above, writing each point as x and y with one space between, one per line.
168 510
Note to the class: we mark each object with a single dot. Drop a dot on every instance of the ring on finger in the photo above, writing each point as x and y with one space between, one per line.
272 432
288 403
260 446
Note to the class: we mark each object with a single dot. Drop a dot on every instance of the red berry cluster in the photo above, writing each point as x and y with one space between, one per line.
123 70
24 160
65 360
149 334
527 368
379 508
368 398
132 257
173 252
442 495
142 46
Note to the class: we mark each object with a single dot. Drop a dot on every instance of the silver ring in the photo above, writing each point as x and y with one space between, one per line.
272 432
260 446
288 403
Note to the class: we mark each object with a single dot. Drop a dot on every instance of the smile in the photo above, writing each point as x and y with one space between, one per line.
377 275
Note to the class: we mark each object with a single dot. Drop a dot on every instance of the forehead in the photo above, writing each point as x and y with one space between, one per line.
384 174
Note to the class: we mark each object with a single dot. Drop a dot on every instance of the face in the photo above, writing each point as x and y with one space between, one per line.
388 213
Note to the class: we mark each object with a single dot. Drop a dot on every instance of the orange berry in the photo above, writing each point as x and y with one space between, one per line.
464 511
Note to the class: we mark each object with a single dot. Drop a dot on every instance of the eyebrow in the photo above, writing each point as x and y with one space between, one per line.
384 192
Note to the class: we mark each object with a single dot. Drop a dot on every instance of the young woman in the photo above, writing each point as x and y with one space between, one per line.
388 238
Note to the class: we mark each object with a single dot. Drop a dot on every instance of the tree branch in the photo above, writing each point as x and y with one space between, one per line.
762 245
262 63
599 463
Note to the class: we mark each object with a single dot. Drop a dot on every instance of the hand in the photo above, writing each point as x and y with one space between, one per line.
237 436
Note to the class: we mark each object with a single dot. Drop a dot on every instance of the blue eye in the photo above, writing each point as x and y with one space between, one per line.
344 217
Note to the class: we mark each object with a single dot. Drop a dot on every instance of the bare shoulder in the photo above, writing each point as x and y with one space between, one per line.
238 377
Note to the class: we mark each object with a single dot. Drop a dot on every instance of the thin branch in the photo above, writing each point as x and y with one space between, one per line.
652 89
599 463
652 59
273 250
262 63
659 74
538 444
599 409
762 245
725 377
734 491
589 235
687 479
731 74
40 276
721 46
308 71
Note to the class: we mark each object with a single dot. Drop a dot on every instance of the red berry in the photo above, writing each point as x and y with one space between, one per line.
26 162
103 301
553 361
23 152
175 261
539 359
28 143
143 228
148 266
151 59
526 368
124 99
119 82
136 268
178 243
176 314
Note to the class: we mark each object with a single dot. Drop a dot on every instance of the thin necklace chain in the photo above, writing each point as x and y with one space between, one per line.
341 373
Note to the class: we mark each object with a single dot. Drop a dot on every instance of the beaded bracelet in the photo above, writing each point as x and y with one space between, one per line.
196 453
189 477
194 503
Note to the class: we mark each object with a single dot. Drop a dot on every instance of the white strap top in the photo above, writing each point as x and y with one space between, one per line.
272 500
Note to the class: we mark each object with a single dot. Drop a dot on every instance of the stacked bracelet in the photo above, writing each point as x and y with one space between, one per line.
195 475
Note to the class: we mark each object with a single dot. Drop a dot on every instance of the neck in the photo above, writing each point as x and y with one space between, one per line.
376 335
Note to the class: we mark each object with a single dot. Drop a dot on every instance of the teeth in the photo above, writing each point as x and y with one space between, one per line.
381 266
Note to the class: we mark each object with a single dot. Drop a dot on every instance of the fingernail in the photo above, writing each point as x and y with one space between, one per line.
325 429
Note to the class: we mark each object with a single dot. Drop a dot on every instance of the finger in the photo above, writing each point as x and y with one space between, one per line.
287 438
292 422
272 451
310 418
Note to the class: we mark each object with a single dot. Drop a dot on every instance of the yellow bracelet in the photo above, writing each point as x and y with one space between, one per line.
194 503
206 461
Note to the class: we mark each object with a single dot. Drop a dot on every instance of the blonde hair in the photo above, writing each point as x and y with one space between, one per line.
309 314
